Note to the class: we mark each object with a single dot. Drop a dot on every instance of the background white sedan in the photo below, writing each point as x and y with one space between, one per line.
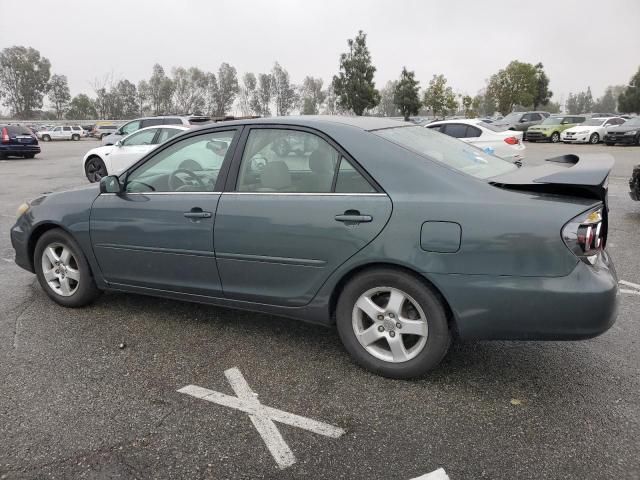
591 131
506 144
113 159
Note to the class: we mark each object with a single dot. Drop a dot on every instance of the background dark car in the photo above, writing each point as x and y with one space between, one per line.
627 133
18 141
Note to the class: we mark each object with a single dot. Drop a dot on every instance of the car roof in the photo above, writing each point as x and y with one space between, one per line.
319 121
467 121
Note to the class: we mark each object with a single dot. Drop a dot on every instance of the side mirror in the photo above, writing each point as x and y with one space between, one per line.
119 143
522 120
110 184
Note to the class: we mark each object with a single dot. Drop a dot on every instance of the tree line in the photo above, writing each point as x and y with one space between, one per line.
25 80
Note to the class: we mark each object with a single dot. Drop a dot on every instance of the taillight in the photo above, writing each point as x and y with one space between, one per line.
512 140
585 235
5 135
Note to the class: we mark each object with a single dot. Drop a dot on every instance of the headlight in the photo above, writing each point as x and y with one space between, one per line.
22 209
632 132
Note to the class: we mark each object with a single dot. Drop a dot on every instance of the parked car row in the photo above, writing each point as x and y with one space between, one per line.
68 132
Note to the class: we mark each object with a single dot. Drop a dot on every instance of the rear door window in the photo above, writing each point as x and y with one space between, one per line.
67 129
456 130
172 121
473 132
149 122
167 133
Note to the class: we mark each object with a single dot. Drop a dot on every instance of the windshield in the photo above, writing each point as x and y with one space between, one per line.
447 150
594 122
634 122
553 121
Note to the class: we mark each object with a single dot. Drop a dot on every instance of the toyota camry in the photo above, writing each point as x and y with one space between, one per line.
402 237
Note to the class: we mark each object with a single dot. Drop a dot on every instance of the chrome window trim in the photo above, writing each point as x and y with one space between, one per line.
317 194
163 193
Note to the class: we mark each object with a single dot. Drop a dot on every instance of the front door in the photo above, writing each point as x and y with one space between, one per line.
297 210
158 233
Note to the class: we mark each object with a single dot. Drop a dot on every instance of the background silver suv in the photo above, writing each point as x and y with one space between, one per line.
521 121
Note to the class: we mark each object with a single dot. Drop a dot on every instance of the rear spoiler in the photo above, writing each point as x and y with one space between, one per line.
585 176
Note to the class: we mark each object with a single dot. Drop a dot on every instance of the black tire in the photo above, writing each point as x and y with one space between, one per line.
594 139
438 337
555 137
86 290
532 141
29 155
46 138
75 137
2 156
609 144
95 169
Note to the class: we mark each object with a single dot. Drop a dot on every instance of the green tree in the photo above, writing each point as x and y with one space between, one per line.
517 84
143 96
24 76
543 94
608 102
407 94
629 100
246 92
284 95
190 88
582 102
311 96
160 91
59 94
125 100
551 107
354 84
468 107
81 108
438 97
387 107
262 100
227 89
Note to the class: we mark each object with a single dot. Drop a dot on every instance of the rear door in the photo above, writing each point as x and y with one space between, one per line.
295 207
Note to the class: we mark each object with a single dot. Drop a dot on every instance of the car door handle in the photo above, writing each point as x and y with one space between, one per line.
196 213
353 217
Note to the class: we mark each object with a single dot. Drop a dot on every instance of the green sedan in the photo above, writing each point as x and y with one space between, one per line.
402 237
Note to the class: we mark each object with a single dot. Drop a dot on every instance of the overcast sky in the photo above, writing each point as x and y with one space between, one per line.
580 42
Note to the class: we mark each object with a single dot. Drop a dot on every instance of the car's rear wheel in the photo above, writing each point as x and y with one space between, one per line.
95 169
29 155
46 138
63 271
555 137
392 323
609 144
594 138
75 137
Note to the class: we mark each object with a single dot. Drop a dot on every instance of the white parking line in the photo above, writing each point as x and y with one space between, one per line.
438 474
262 416
629 284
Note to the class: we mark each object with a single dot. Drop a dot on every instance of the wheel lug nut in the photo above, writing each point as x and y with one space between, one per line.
398 325
380 317
391 315
392 334
381 328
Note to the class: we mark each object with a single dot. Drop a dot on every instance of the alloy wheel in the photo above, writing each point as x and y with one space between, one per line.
95 170
60 269
595 138
555 138
390 324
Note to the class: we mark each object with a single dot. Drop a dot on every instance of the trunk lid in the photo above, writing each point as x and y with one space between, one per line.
585 176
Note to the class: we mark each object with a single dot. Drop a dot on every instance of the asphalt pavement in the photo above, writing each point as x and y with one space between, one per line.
92 393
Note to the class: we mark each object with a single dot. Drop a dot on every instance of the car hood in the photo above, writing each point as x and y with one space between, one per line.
585 176
582 128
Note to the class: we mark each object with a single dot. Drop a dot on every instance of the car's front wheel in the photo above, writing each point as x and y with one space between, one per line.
555 137
392 323
95 169
46 138
63 271
594 138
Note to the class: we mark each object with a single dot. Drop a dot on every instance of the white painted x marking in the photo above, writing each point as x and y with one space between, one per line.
262 416
635 288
